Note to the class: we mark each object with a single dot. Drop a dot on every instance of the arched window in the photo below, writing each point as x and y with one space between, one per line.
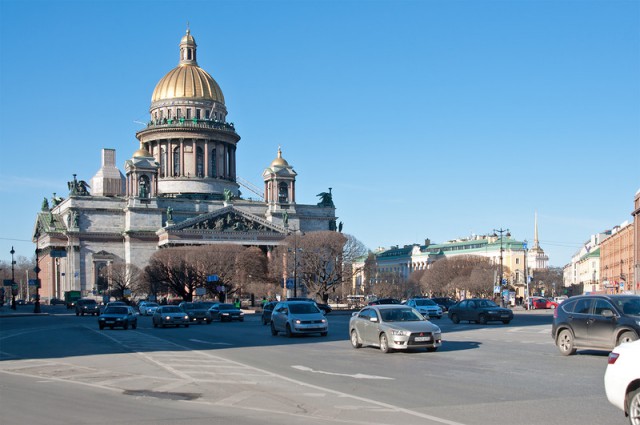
283 192
163 162
214 170
176 161
199 162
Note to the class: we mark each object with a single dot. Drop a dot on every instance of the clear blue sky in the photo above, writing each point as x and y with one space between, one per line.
429 119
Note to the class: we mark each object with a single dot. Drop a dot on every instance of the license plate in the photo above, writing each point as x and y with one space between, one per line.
422 338
504 316
109 322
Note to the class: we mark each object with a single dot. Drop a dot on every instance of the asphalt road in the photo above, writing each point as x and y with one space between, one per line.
61 369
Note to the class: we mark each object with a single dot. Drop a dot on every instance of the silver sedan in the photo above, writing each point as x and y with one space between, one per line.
393 327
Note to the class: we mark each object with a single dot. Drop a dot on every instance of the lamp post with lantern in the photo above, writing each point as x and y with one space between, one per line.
501 231
13 282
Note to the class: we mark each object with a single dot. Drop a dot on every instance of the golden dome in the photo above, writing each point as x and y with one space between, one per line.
187 80
142 153
279 161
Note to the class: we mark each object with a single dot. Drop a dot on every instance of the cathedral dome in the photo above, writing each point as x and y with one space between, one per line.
187 80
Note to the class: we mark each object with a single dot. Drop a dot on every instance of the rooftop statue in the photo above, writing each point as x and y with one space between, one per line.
326 199
78 188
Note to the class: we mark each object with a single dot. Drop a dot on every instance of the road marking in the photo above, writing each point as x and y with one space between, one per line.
356 376
210 343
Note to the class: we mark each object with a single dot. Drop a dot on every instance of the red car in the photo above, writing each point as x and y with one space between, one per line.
543 303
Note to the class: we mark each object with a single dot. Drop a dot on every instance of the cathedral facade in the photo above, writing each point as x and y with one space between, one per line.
178 189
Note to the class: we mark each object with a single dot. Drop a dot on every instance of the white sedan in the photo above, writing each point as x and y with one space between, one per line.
147 308
622 380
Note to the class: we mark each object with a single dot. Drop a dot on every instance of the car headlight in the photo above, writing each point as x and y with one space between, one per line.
242 313
225 314
398 332
186 317
167 317
324 320
297 321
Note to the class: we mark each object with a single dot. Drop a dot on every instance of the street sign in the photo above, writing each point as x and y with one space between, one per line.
290 283
213 278
496 289
33 282
200 291
7 282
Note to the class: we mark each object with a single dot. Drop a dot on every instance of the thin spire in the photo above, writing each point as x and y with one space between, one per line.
536 244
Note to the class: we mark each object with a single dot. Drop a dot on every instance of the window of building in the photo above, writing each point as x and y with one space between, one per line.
198 114
188 113
517 261
199 162
283 192
179 113
206 114
176 161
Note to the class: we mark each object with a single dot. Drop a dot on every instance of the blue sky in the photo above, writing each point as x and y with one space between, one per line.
428 119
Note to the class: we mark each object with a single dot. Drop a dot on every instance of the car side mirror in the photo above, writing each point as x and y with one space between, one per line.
373 319
607 313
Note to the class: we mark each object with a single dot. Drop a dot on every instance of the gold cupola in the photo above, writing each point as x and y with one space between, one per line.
279 161
187 80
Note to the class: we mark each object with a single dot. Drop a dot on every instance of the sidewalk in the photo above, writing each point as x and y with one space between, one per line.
22 310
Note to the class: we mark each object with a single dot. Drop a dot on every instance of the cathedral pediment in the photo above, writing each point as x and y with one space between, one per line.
228 219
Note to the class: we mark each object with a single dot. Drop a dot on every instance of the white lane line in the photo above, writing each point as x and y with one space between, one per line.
356 376
208 342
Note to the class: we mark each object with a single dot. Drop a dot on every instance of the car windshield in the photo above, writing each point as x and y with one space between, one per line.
486 303
629 305
151 305
303 308
206 305
189 306
115 310
171 310
425 302
400 315
226 307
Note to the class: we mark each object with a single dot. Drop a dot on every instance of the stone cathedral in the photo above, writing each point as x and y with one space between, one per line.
179 188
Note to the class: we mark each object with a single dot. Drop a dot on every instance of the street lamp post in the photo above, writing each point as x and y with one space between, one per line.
501 231
13 292
36 269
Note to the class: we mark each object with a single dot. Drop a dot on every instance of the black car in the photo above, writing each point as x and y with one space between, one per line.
444 302
326 308
381 301
226 312
87 306
599 322
198 312
267 309
118 317
479 310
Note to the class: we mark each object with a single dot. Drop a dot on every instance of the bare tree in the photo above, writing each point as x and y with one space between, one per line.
173 268
447 276
124 277
547 280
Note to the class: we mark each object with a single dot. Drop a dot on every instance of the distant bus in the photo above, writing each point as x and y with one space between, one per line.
355 301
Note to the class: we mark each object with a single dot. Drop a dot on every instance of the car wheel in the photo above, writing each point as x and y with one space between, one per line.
126 325
155 325
384 344
432 349
101 326
134 325
633 407
506 322
482 319
455 319
274 332
208 322
186 326
354 339
242 319
264 321
288 331
565 343
77 314
627 337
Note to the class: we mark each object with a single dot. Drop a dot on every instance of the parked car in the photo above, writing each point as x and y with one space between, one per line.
542 303
326 308
147 308
298 317
87 306
560 299
226 312
118 317
380 301
426 306
56 301
479 310
393 327
116 304
622 380
170 315
444 302
267 309
599 322
197 312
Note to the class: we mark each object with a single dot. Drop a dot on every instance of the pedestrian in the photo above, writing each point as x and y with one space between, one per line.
237 303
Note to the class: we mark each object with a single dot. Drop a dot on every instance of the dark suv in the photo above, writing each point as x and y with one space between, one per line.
598 322
87 306
444 302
